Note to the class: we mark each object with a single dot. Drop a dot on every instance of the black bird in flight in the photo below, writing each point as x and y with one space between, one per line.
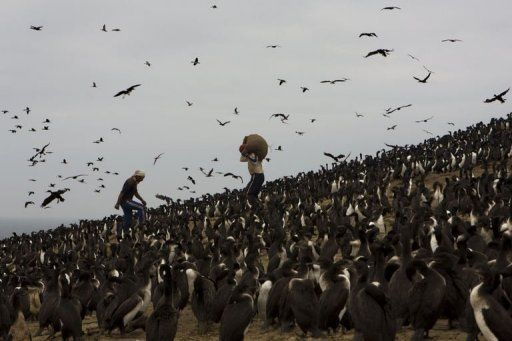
74 177
335 81
27 110
359 115
64 161
222 124
57 195
94 85
104 28
90 163
304 89
312 120
281 81
390 110
127 92
100 140
498 97
31 193
189 103
366 34
185 168
148 63
99 159
236 112
29 203
195 61
279 149
282 116
214 6
116 129
383 52
451 123
97 190
300 133
46 128
36 28
14 131
428 132
156 158
273 46
209 174
46 121
234 176
412 57
215 160
191 179
425 120
390 8
424 80
392 127
116 30
450 40
335 158
5 111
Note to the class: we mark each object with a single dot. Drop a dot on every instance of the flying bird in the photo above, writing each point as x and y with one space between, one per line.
116 129
335 81
390 8
222 124
104 28
312 120
94 85
450 40
390 110
31 193
383 52
425 120
428 132
148 63
116 30
300 133
451 123
209 174
279 149
36 28
236 112
29 203
282 116
365 34
57 195
335 158
156 158
412 57
191 179
304 89
127 92
359 115
392 127
424 80
189 103
27 110
234 176
498 97
74 177
273 46
281 81
195 61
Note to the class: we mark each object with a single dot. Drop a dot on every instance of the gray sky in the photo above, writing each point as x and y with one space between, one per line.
51 71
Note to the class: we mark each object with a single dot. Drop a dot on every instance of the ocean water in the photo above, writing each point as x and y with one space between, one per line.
28 225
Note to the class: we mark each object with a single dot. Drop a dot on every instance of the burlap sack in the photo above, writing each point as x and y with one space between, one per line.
256 144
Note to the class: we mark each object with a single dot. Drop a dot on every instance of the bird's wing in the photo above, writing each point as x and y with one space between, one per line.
123 92
504 93
428 76
416 78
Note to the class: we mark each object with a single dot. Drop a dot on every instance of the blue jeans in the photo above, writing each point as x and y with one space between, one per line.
128 208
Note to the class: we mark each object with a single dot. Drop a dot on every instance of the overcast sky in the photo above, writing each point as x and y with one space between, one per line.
52 70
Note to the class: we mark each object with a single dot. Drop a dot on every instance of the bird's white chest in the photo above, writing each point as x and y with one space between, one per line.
478 303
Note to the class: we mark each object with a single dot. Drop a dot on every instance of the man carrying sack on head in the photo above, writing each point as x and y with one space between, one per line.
253 151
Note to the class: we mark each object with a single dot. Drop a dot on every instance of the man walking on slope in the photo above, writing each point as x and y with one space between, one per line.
125 200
